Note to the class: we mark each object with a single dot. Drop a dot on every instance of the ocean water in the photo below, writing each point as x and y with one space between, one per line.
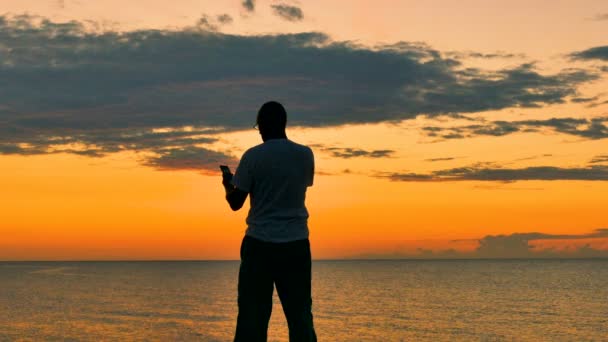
457 300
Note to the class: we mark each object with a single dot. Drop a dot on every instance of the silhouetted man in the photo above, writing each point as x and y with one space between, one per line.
275 249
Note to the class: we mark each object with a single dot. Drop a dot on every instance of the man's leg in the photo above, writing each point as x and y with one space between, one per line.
255 293
292 274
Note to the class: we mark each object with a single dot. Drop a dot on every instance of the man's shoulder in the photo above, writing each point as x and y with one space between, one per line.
253 150
301 146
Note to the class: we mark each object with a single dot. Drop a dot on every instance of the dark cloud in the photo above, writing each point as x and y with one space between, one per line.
594 128
60 83
63 76
499 174
512 246
249 5
599 159
599 52
288 12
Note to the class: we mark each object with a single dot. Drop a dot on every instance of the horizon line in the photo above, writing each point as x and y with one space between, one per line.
324 259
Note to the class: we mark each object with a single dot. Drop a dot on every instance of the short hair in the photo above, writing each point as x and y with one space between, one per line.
272 116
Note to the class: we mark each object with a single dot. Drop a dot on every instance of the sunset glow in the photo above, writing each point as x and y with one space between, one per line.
452 137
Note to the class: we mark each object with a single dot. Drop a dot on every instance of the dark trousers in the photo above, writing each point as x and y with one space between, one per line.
288 267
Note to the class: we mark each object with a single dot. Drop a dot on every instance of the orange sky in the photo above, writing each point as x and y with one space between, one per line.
67 206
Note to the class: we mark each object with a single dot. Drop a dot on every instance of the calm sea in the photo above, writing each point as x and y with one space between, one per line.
521 300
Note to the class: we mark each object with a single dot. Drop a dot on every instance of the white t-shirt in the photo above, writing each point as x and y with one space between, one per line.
276 174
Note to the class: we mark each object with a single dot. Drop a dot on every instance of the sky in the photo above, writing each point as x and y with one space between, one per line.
441 129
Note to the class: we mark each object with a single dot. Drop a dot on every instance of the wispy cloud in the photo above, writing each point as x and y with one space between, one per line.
479 172
224 18
349 152
288 12
594 128
206 22
584 99
481 55
601 17
599 159
440 159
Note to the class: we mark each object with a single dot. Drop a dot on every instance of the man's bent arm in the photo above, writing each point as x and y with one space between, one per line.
235 197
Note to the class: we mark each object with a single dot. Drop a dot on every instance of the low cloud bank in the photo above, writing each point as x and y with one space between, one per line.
514 246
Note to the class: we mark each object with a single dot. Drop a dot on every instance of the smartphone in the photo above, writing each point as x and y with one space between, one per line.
225 169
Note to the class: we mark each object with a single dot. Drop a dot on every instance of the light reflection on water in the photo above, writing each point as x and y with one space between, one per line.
352 300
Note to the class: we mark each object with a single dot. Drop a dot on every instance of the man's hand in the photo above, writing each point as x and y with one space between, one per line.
226 178
235 197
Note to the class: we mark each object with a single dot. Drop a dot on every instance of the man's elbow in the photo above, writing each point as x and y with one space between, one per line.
236 199
235 206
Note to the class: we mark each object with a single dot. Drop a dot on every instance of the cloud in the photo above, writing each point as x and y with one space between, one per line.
481 55
599 159
584 99
288 12
597 104
189 158
210 24
348 152
249 5
63 87
513 246
594 128
517 245
9 148
168 144
156 77
205 23
498 174
599 52
224 18
601 17
440 159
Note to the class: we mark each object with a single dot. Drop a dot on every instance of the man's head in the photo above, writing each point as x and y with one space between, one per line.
272 119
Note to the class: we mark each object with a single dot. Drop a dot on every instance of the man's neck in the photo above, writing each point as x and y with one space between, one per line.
274 136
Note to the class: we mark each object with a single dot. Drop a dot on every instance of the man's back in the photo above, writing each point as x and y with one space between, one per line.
275 252
276 175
